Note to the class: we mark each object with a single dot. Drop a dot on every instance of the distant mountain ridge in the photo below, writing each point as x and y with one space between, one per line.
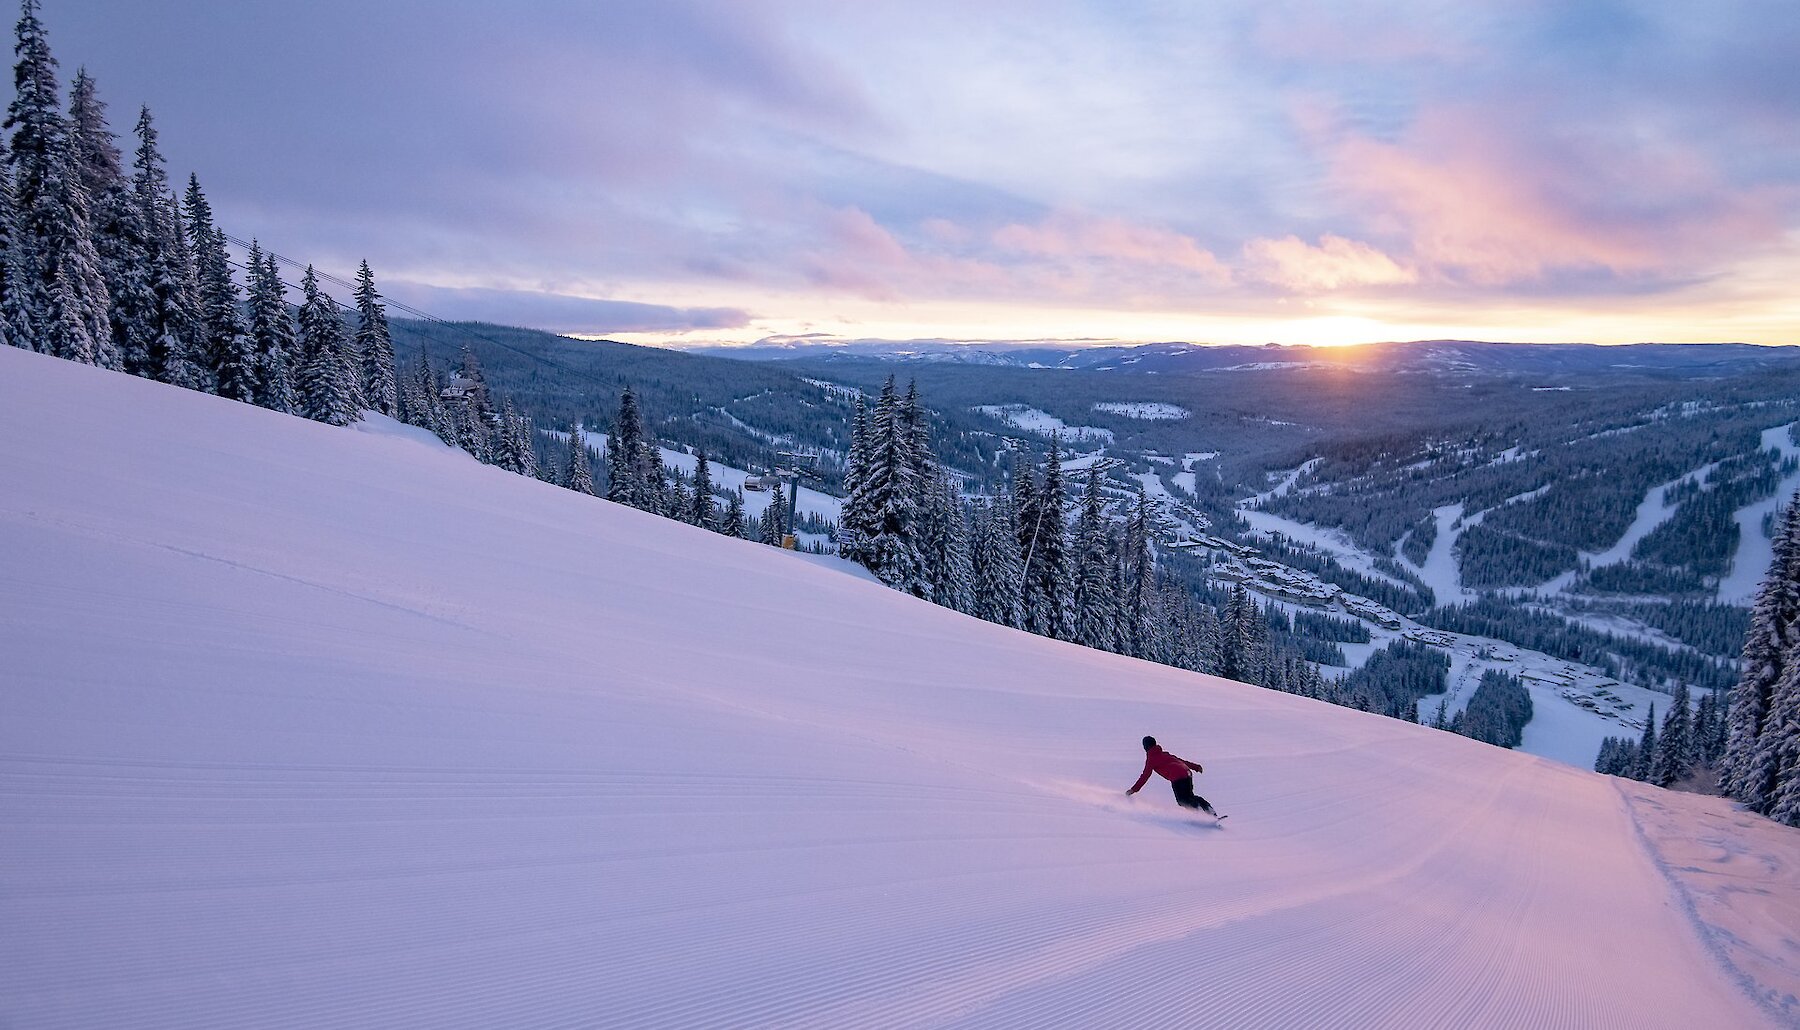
1440 356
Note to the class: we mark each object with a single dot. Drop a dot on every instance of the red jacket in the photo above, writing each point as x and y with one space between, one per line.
1163 764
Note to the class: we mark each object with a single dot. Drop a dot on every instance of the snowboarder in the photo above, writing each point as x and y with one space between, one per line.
1178 771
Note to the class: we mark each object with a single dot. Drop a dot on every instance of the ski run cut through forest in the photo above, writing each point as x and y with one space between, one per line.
306 726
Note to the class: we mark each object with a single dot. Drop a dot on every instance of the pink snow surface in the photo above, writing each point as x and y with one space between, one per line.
308 727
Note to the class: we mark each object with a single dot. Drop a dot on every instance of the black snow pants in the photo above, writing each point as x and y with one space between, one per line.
1185 796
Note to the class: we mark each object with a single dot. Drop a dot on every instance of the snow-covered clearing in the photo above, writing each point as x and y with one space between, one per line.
1282 485
1330 541
835 389
1266 366
1149 411
774 439
310 727
1652 511
1440 571
1043 423
1185 478
1754 551
724 478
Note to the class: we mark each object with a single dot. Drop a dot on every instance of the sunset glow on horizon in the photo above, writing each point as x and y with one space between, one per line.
689 173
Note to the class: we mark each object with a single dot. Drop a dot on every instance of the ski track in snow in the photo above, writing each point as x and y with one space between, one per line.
1440 571
306 727
1755 551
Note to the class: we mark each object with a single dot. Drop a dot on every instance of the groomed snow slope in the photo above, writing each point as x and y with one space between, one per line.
308 727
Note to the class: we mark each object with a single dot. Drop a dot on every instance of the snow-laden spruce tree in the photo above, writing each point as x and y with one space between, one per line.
1044 548
121 234
1140 578
892 491
225 338
626 478
324 379
1673 760
732 522
57 268
1646 751
578 471
373 344
1778 749
1747 770
701 511
174 318
271 333
15 328
945 544
769 529
854 519
1094 597
995 566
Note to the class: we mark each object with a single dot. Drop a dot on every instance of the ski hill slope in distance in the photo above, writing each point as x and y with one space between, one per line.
306 726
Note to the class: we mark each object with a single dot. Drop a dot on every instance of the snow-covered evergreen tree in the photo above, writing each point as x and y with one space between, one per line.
174 317
626 481
995 566
373 345
945 545
854 519
65 334
656 479
1749 766
1672 761
1776 764
702 511
1043 545
892 491
512 442
121 235
1244 643
324 378
54 263
732 522
15 328
769 528
1095 620
578 471
519 442
1646 749
271 333
226 342
1140 577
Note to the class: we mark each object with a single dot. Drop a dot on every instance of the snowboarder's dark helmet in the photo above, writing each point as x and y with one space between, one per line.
1149 742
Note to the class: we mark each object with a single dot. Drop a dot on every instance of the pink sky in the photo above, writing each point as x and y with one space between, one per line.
696 172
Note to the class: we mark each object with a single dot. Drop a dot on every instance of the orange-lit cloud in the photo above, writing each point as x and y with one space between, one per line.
1475 205
1334 263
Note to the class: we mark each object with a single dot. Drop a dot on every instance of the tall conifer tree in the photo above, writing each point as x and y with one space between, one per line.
226 340
271 333
174 316
703 513
121 235
1747 770
578 472
57 268
323 380
374 346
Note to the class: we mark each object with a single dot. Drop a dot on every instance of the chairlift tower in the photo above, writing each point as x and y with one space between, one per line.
799 464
